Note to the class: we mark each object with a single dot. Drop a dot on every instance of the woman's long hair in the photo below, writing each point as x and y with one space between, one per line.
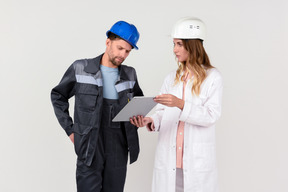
198 62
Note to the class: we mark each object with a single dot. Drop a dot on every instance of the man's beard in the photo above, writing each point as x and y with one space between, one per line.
116 62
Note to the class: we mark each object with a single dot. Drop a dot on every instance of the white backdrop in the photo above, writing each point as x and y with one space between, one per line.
247 41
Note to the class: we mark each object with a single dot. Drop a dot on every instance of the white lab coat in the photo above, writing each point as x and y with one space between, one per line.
199 114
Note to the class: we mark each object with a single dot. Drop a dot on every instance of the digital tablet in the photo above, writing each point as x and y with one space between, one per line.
137 106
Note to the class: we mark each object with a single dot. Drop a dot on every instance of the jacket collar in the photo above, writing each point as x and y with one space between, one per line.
93 66
122 73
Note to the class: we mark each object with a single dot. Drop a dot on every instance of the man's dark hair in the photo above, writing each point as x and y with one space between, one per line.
113 36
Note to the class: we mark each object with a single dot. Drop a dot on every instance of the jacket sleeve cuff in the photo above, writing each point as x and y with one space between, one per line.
69 130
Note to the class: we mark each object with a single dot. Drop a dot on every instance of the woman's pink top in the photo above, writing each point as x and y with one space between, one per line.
180 134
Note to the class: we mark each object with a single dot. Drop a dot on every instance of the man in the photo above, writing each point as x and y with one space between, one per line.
102 86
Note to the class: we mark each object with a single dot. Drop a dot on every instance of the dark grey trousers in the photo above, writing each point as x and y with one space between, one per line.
107 172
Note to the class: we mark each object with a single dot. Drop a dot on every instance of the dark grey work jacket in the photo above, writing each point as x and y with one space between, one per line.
83 80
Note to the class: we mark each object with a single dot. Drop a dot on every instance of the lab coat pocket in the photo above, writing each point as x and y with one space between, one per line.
198 100
203 157
203 99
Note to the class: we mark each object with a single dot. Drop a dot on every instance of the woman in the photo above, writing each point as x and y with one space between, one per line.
190 104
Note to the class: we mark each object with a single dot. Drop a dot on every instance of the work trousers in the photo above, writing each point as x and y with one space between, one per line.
107 172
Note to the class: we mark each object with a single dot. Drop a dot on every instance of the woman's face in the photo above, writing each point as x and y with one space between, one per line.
180 52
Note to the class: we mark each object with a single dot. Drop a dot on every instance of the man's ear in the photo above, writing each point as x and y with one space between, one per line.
108 42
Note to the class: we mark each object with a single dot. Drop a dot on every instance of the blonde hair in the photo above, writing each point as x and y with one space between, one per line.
198 62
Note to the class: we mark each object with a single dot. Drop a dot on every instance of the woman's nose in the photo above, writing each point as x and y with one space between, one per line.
175 49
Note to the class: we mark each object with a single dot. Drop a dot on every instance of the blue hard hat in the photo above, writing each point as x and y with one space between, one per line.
126 31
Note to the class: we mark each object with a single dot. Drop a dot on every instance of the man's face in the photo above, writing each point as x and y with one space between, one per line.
117 51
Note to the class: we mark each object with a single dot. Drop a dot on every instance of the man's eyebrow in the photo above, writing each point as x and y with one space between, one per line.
120 47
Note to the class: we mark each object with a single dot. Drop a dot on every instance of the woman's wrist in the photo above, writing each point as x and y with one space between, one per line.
181 104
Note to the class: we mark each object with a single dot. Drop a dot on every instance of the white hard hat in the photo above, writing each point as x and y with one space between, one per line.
189 28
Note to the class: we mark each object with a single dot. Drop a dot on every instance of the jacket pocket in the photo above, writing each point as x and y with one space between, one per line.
82 139
113 111
86 97
130 95
203 156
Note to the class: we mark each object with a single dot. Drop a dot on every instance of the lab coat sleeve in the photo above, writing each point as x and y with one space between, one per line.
207 112
157 116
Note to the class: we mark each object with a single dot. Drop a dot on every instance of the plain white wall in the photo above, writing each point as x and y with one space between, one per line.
247 41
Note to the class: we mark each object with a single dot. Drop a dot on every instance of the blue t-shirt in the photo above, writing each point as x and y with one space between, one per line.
110 76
